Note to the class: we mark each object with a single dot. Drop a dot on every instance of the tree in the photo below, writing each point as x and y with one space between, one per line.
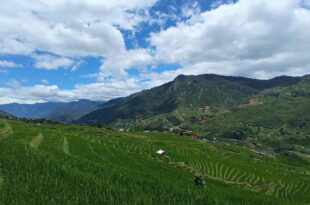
199 180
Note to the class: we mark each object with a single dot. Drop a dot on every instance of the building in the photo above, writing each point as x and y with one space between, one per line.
161 152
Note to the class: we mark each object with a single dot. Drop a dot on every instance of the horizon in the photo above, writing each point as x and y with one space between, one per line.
102 50
104 101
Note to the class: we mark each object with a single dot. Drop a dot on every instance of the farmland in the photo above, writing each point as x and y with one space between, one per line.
71 164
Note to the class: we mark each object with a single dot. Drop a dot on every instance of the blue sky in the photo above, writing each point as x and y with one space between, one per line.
65 50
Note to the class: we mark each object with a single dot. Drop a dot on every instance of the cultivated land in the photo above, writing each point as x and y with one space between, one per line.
71 164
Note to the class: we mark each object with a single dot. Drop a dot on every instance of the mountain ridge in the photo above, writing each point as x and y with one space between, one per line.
56 111
207 90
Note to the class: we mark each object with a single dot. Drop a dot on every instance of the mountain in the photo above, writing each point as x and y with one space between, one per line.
38 110
183 98
73 110
5 114
278 117
57 111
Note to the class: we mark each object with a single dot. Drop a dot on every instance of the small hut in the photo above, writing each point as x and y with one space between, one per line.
161 152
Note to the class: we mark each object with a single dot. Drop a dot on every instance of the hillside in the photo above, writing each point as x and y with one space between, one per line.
5 114
186 97
58 164
35 111
57 111
73 110
278 117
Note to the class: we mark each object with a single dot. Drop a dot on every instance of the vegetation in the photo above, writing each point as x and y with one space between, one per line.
279 118
44 163
185 99
263 113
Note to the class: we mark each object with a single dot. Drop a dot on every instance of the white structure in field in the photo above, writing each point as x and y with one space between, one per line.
161 152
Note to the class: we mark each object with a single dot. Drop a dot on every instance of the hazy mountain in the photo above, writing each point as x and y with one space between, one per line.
57 111
73 110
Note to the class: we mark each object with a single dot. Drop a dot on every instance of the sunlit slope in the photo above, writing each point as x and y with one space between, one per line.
279 118
58 164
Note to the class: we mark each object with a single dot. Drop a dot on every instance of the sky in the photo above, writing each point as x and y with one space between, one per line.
65 50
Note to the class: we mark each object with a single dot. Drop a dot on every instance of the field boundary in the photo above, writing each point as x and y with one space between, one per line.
65 146
36 141
5 131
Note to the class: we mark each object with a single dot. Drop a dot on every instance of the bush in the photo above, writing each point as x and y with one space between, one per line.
199 180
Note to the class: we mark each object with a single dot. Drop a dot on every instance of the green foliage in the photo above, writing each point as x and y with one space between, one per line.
199 180
279 118
67 164
191 93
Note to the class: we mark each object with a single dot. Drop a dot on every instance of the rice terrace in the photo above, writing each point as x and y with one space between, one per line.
57 164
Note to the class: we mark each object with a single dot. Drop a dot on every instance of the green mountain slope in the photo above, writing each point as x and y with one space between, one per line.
177 101
278 117
67 164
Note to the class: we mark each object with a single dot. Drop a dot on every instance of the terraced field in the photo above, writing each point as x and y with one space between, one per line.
65 164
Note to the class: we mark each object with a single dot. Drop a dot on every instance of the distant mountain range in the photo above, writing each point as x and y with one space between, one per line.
56 111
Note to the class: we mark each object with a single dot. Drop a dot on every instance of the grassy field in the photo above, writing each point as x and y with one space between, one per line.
66 164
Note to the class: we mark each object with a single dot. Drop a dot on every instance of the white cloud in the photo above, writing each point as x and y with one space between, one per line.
9 64
67 27
117 65
251 38
50 62
109 89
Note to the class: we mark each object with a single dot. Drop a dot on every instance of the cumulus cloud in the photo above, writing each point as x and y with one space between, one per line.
251 38
68 28
51 62
109 89
117 65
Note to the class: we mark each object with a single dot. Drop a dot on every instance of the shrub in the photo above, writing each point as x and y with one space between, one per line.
199 180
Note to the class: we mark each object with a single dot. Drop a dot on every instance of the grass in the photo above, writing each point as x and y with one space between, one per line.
68 164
